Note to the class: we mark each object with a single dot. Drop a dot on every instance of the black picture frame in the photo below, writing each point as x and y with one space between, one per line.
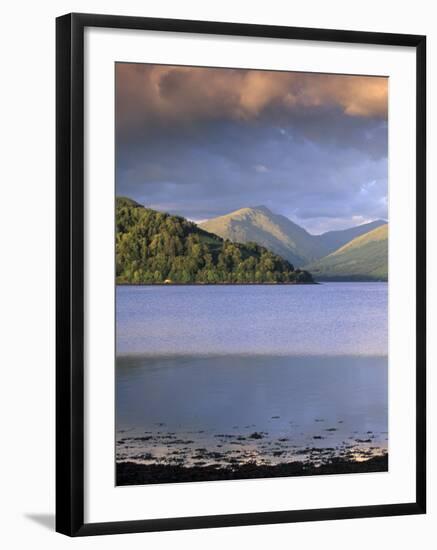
70 273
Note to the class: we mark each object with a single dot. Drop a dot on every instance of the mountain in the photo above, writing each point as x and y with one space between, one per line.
275 232
155 247
362 258
332 240
281 235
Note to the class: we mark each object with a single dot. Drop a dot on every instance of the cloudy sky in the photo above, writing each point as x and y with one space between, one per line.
201 142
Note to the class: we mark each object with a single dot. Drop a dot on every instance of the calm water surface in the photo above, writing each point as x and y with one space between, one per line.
228 374
334 319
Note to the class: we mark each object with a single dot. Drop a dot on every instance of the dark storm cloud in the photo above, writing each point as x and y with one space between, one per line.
204 142
171 94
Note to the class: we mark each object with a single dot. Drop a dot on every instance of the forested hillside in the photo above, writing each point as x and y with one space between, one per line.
155 247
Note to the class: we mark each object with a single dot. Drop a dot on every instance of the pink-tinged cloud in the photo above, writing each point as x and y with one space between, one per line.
171 94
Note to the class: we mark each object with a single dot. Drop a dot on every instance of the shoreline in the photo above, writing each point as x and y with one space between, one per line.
131 473
315 282
216 284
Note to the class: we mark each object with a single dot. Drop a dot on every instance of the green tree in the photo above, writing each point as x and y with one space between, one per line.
152 247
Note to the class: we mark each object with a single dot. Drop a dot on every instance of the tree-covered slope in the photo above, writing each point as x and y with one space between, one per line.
364 258
155 247
281 235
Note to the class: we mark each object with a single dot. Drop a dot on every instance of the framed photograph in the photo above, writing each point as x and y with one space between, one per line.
240 274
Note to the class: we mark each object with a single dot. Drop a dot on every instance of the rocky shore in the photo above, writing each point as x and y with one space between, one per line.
131 473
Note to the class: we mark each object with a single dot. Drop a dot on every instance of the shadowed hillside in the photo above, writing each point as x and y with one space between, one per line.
363 258
333 240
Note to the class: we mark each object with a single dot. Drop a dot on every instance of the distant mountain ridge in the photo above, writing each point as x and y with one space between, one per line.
362 258
282 236
333 240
